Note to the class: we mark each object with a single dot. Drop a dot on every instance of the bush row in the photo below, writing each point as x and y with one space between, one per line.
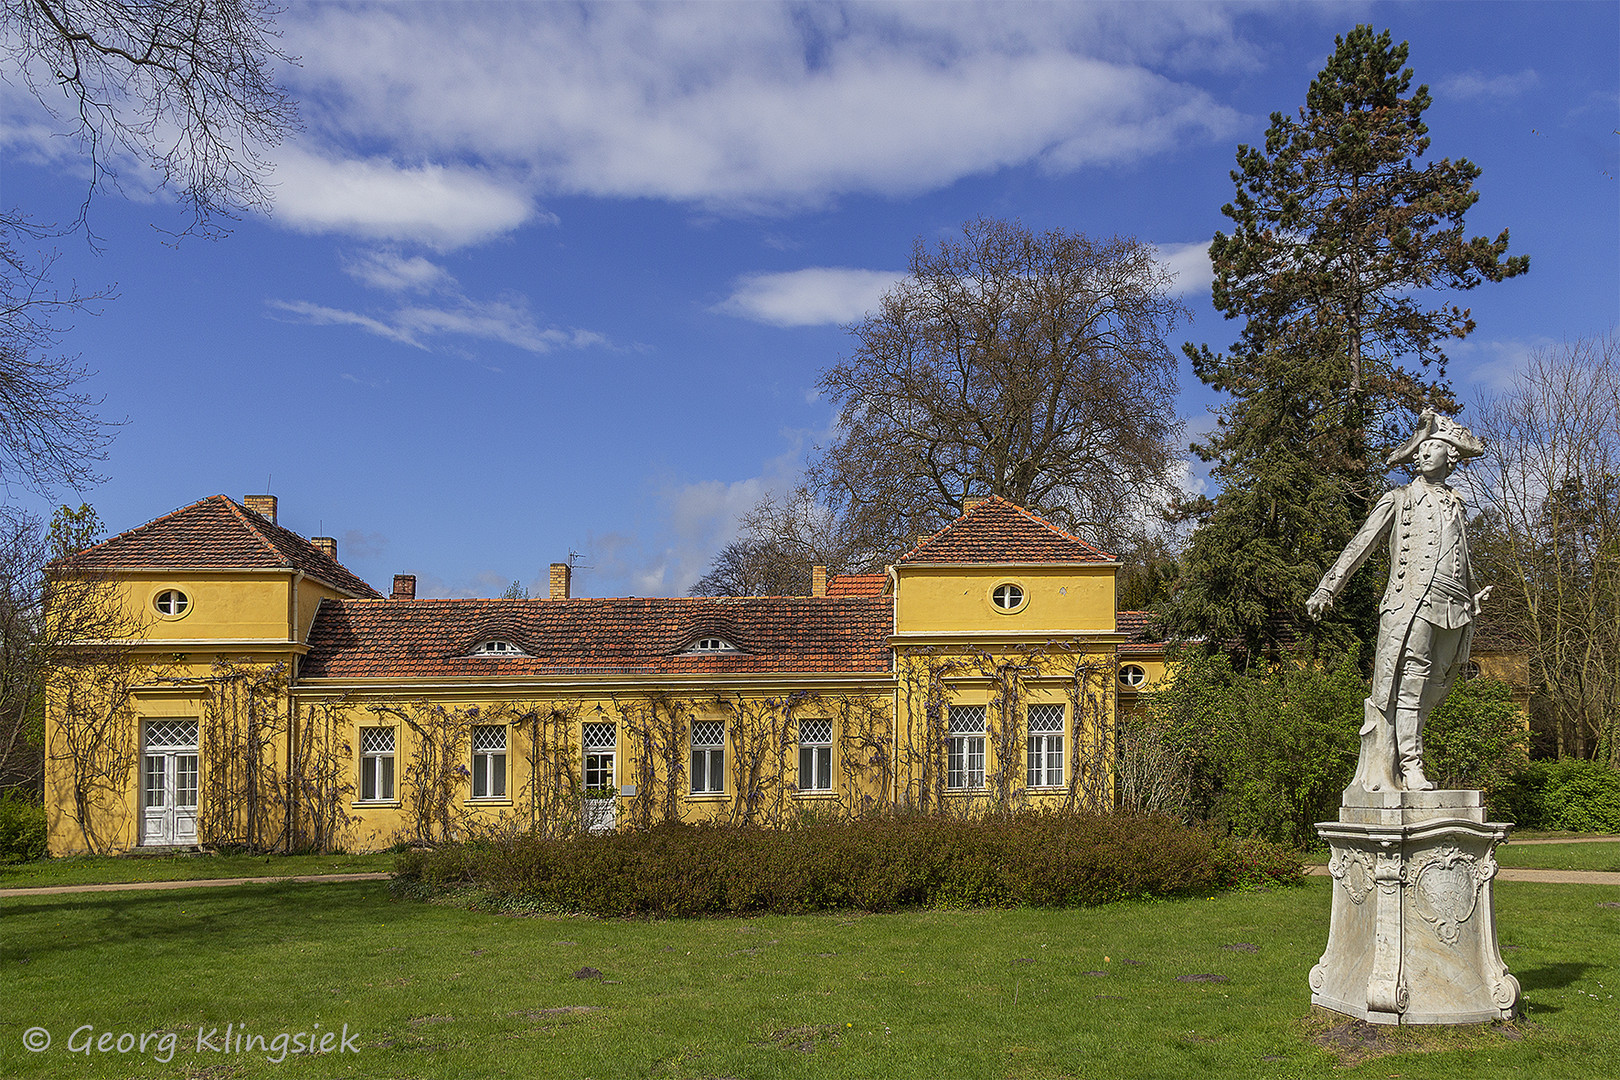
1581 796
22 828
880 864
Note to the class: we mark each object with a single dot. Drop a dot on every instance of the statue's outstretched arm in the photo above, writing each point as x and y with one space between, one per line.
1355 553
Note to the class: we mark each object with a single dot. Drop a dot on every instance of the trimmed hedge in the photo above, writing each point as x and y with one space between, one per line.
1572 794
880 864
22 828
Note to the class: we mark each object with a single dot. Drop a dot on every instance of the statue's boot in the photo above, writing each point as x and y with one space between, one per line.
1409 742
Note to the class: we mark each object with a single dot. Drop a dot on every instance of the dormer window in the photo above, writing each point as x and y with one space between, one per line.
498 647
711 645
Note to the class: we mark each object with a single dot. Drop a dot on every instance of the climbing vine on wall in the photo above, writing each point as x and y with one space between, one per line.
242 801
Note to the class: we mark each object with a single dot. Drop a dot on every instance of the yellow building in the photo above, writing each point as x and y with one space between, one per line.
263 695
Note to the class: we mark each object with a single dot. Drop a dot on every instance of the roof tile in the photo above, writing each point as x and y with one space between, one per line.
432 638
998 531
215 533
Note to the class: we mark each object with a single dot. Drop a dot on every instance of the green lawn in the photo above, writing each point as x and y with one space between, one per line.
1599 856
100 869
439 991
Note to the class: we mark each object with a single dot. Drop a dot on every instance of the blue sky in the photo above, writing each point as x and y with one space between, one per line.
544 279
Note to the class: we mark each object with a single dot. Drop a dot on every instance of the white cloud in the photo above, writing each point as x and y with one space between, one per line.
320 315
811 297
1190 264
1473 85
393 272
508 321
1488 367
442 207
741 106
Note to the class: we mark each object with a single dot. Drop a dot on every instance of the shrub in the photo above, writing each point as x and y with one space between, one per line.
1572 794
876 864
22 828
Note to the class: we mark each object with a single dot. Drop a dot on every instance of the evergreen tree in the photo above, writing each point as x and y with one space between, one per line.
1340 240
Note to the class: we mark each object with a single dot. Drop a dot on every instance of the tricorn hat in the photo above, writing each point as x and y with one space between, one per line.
1433 426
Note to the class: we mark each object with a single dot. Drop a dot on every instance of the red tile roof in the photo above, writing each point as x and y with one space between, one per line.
997 531
1137 626
857 584
216 533
432 638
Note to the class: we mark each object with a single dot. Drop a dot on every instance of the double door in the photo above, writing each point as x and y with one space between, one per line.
169 783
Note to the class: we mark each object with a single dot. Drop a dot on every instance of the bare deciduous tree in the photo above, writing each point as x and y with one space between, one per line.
1030 366
1549 534
184 90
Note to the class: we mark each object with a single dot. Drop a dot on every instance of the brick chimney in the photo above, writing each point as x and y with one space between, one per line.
326 544
561 577
404 587
972 504
263 505
818 581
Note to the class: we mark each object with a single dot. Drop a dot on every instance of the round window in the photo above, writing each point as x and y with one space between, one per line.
1132 676
171 602
1007 596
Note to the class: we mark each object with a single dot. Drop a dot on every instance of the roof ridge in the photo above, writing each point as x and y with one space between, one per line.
1043 521
241 512
137 528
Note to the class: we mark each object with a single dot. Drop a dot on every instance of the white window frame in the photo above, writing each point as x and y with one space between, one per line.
601 742
1132 676
708 775
964 759
815 755
1045 745
498 647
489 761
377 764
171 603
711 644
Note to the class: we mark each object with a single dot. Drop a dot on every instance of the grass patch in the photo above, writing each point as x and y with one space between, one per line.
106 869
1201 987
1590 856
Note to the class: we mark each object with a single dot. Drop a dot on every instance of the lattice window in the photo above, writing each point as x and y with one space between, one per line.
600 736
708 757
815 755
965 757
377 740
1045 746
171 734
377 763
489 761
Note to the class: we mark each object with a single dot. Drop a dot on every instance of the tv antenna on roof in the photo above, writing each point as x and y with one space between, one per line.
573 560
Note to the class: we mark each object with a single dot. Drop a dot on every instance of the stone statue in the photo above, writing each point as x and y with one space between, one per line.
1425 621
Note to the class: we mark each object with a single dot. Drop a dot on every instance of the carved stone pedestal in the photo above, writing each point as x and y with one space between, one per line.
1413 934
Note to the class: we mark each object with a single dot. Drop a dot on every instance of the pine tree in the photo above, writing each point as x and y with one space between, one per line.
1340 241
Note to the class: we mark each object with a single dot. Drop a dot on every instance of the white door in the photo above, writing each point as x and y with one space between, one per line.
169 783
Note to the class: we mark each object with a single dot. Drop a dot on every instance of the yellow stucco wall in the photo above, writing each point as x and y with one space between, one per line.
956 599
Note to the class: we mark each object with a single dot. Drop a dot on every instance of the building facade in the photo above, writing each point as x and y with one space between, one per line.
265 696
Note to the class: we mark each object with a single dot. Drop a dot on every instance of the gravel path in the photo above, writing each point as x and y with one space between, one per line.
204 883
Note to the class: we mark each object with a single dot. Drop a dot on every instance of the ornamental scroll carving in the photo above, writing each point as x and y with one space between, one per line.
1352 868
1445 889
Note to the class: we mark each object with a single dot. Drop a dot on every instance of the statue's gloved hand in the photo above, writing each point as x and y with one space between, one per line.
1482 596
1319 602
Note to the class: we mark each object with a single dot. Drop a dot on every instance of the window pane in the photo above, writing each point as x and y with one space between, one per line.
824 768
368 778
185 780
480 775
807 768
387 776
498 778
699 778
154 780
